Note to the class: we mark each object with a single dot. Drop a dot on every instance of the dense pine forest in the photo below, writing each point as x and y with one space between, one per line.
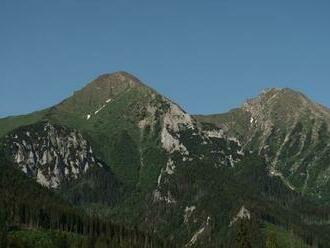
127 167
32 216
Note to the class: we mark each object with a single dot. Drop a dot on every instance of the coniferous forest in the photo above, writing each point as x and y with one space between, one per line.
32 216
127 167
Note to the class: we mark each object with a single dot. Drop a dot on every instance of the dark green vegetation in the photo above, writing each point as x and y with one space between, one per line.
32 216
123 166
291 132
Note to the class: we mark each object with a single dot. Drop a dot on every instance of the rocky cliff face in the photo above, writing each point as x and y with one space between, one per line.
188 148
148 141
51 154
185 142
290 132
185 178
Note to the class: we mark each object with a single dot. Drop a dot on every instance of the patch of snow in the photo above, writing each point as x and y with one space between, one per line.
97 111
103 106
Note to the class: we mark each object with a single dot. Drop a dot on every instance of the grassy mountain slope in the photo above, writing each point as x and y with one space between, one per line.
187 181
33 216
10 123
290 132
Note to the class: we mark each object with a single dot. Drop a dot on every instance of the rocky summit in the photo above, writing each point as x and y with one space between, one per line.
120 165
290 132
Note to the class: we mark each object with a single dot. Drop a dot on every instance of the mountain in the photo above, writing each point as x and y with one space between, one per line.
33 216
291 132
119 150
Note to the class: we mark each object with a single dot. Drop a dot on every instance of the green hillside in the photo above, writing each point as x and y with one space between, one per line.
122 165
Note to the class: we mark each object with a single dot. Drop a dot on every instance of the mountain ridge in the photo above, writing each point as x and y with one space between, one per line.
283 125
196 181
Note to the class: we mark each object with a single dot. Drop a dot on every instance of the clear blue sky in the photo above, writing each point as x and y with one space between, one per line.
206 55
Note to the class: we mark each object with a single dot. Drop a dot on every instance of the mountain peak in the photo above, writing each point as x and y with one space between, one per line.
281 92
104 89
111 81
275 96
283 104
121 76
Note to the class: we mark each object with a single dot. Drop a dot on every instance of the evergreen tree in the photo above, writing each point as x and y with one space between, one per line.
271 241
242 237
3 229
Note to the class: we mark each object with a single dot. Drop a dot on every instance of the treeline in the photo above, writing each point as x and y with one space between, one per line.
25 204
272 202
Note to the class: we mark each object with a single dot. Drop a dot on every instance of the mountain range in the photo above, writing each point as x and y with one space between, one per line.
119 165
